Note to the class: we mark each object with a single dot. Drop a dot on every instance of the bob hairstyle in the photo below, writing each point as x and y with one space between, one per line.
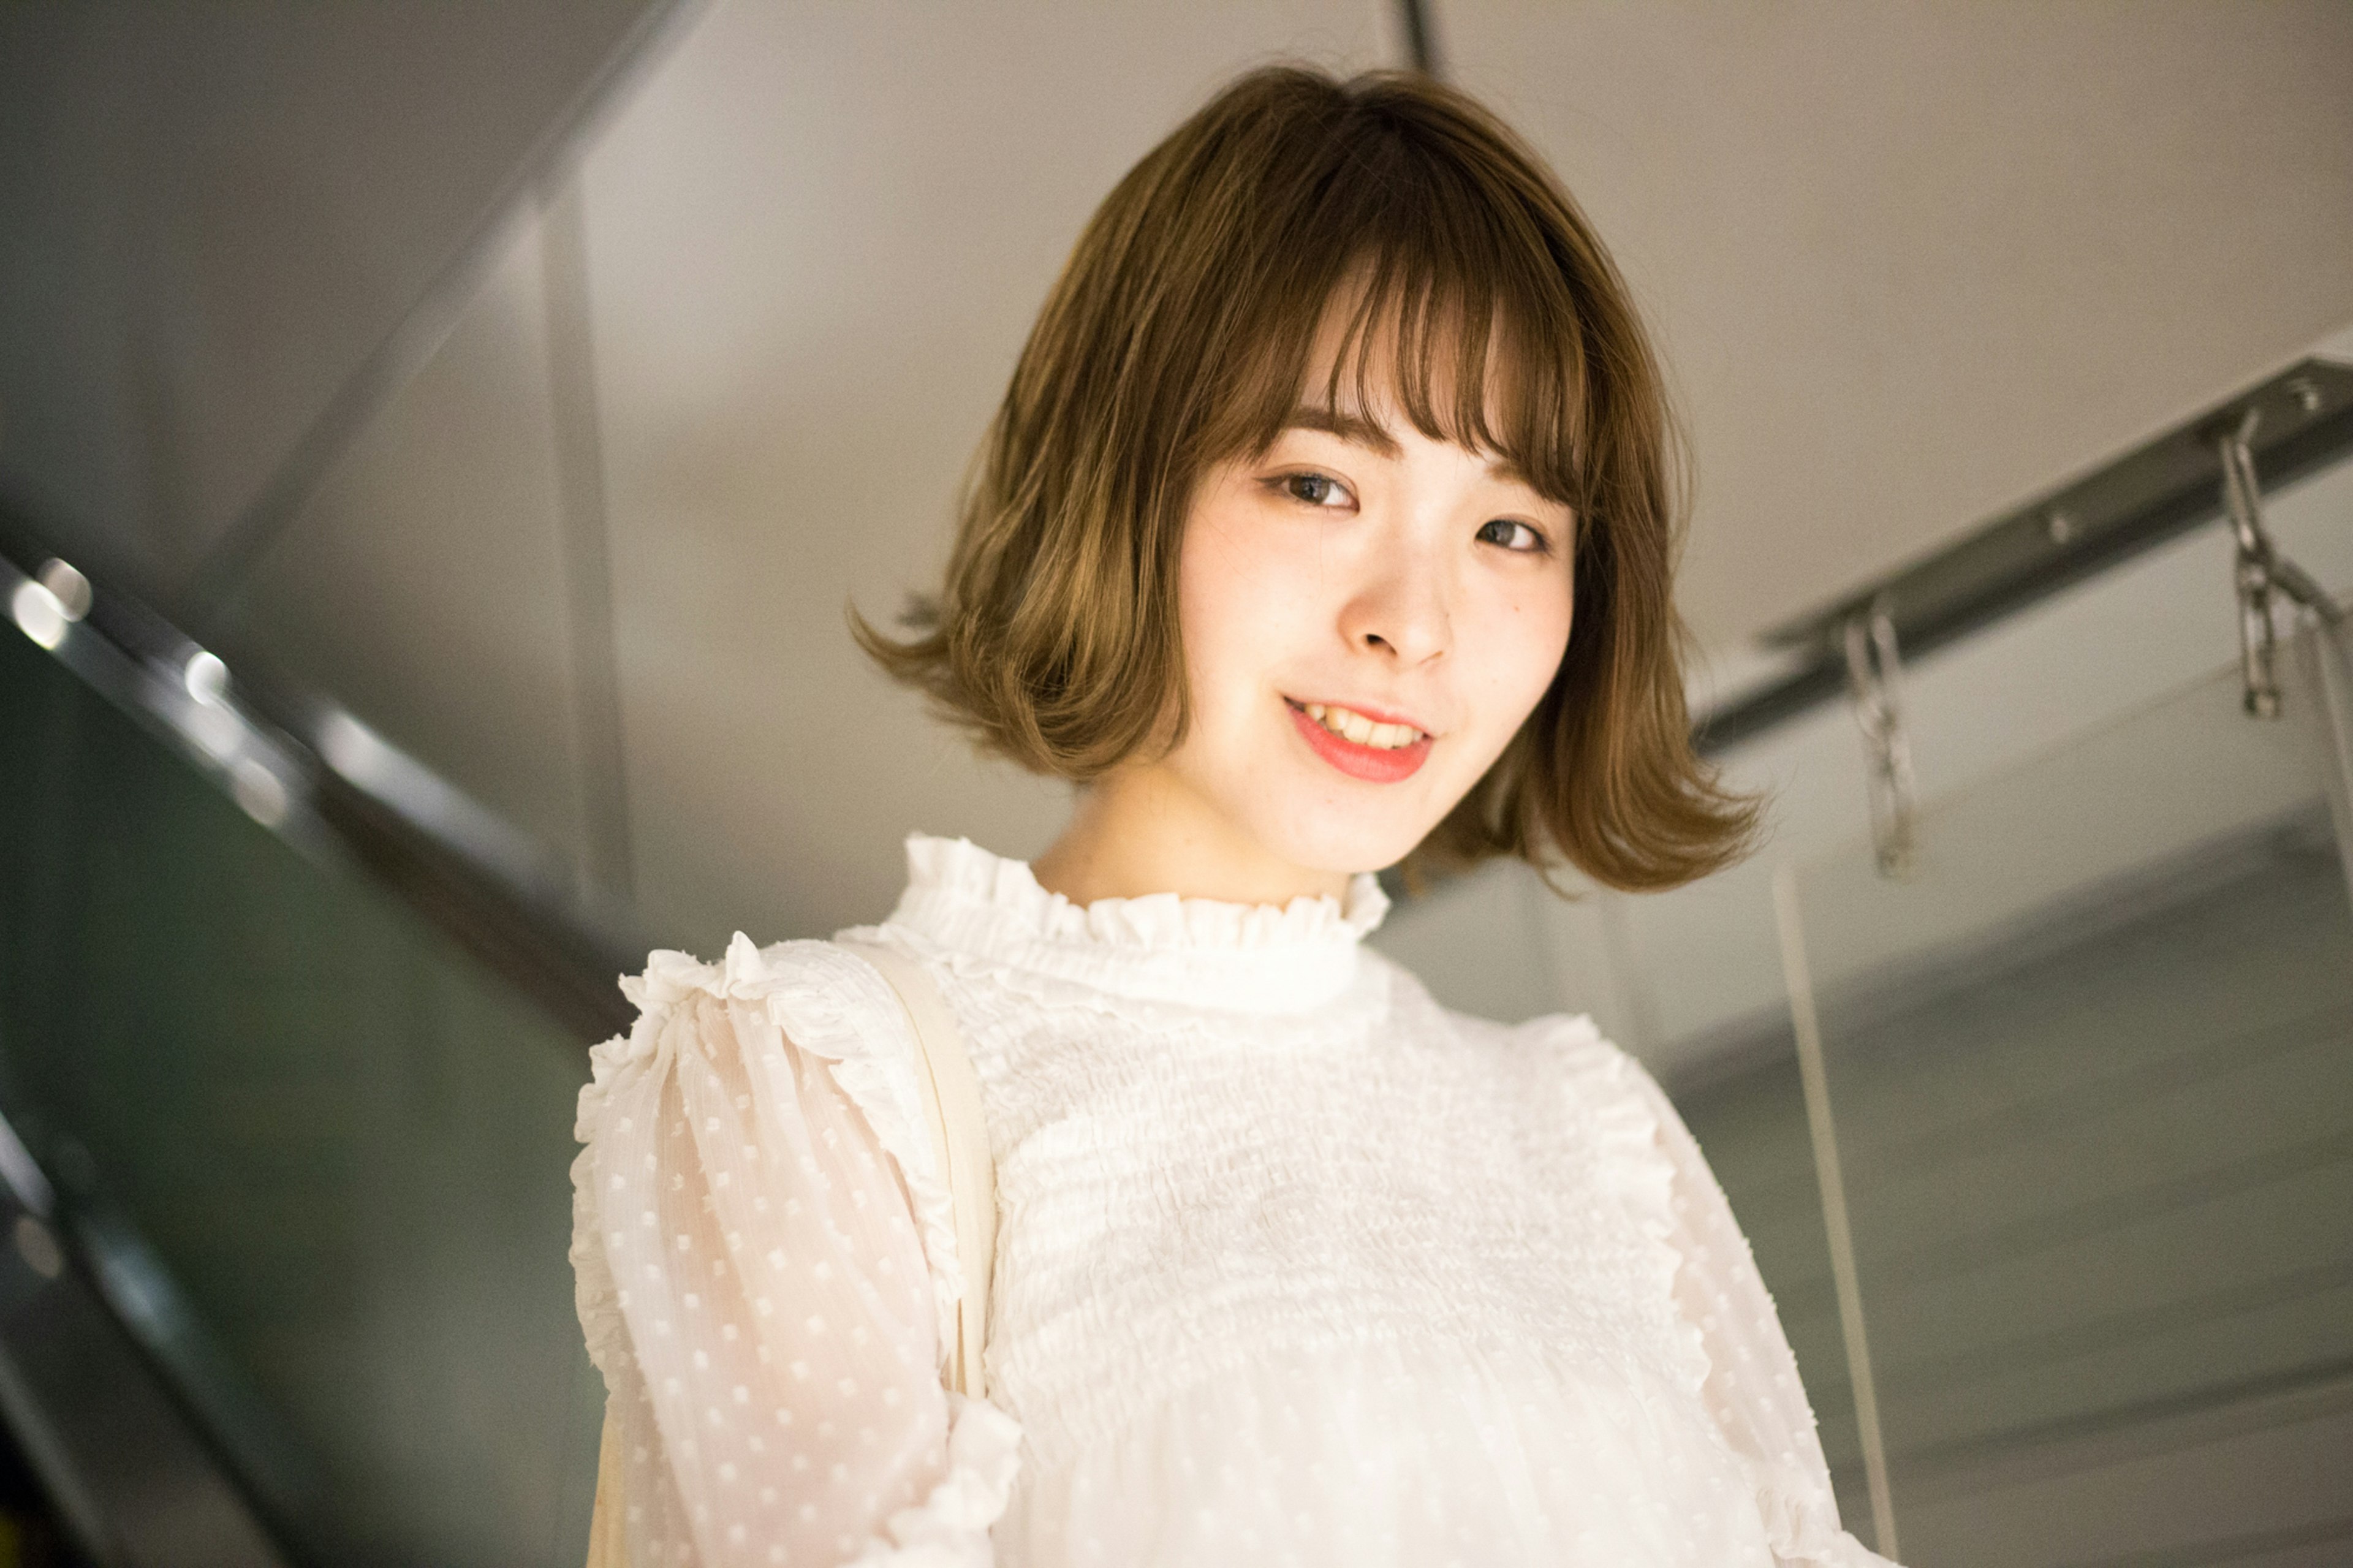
1177 337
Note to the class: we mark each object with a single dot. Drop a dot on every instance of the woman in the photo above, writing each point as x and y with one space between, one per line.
1327 523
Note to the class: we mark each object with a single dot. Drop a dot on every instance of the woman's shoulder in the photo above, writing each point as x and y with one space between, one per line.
817 997
820 985
1541 1061
755 1010
745 971
1572 1040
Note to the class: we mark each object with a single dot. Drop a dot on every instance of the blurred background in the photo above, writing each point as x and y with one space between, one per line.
437 445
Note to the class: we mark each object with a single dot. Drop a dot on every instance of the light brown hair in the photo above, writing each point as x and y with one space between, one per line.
1178 336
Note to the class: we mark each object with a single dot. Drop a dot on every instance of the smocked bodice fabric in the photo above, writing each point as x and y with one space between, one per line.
1293 1266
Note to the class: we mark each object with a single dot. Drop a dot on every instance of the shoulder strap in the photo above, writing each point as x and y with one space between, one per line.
960 1137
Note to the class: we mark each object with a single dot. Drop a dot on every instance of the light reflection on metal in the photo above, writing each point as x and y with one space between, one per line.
23 1173
38 1248
216 730
206 677
258 791
187 694
398 782
1874 682
69 587
354 751
2257 569
38 615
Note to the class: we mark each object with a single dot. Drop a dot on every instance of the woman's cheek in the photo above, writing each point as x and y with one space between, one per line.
1531 634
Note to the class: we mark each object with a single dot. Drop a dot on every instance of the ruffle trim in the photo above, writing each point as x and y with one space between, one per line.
829 1004
1160 947
949 1529
1337 1017
1804 1532
1153 920
1801 1532
1642 1172
595 1297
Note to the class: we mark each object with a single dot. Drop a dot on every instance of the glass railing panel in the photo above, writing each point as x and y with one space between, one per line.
323 1155
2088 1069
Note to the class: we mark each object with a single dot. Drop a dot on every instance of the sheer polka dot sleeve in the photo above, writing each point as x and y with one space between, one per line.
1752 1387
757 1247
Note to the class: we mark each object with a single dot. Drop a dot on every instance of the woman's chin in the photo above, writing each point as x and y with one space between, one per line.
1344 849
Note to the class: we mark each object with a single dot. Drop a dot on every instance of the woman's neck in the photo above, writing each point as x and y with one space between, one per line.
1141 830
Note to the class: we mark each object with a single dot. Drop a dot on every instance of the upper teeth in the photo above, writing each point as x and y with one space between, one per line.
1354 726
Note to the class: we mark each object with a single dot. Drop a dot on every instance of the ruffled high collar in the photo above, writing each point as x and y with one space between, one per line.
1203 953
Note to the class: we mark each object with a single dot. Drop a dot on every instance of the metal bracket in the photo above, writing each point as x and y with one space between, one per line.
2258 569
1874 681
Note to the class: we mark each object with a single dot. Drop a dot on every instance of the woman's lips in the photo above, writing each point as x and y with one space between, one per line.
1372 763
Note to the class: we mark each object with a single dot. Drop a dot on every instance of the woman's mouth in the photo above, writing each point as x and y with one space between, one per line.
1358 744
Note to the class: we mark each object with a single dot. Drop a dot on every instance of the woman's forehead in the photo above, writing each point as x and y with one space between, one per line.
1414 341
1366 386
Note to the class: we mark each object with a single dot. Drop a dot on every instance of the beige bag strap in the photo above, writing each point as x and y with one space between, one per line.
960 1137
609 1538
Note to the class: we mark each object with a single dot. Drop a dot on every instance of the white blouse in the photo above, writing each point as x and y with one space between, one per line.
1294 1267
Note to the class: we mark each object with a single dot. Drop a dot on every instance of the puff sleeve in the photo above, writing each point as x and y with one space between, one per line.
761 1250
1751 1387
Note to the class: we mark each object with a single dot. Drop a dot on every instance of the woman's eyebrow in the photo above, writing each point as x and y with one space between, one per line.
1352 428
1359 431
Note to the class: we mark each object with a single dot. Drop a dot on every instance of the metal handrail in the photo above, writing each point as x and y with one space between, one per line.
2153 493
331 787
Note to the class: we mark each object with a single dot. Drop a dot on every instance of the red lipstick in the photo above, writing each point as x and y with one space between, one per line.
1370 764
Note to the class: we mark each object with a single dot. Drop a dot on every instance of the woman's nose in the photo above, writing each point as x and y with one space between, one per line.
1401 609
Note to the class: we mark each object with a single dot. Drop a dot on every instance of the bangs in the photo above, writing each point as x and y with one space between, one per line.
1438 287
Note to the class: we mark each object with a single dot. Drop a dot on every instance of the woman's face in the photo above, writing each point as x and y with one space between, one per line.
1369 614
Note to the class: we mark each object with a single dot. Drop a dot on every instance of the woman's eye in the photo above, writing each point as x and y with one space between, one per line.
1315 489
1513 534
